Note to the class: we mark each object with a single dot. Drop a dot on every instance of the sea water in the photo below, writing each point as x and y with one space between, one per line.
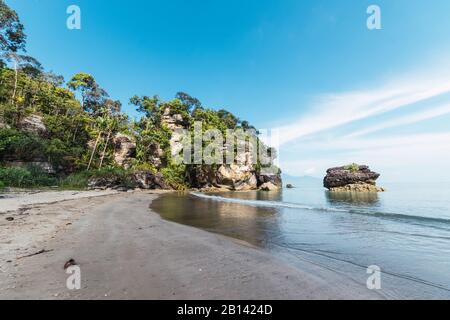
404 231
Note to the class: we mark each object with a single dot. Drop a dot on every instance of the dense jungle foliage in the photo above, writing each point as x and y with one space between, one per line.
81 120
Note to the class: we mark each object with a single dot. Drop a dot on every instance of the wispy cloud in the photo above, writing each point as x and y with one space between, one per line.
400 157
334 110
313 141
402 121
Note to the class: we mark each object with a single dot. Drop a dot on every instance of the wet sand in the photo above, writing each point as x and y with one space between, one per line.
126 251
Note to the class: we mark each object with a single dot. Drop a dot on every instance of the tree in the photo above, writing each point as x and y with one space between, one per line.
149 106
28 65
188 101
12 41
112 106
92 96
12 36
230 120
54 79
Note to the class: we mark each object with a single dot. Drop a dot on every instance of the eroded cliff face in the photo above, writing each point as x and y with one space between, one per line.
354 178
32 124
125 150
241 175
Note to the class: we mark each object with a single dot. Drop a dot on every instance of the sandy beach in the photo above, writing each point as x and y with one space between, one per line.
126 251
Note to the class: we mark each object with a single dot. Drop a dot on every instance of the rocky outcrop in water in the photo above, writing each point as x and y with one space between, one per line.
354 178
269 186
229 177
232 177
274 179
125 150
237 177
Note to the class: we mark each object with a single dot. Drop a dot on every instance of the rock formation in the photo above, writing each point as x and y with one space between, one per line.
274 179
148 180
157 156
3 125
33 124
125 150
269 186
135 180
173 121
239 176
352 178
176 124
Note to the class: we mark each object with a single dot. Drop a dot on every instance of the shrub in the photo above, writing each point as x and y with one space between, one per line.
2 185
30 177
174 175
76 181
20 145
354 167
80 180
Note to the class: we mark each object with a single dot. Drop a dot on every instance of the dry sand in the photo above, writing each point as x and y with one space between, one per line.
126 251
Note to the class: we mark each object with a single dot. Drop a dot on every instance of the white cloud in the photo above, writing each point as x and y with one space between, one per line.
420 155
410 119
335 110
312 141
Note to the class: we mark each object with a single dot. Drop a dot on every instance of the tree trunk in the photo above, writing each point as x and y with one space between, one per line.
104 149
75 134
16 79
93 151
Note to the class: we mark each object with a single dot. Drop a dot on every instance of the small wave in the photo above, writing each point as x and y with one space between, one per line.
288 205
261 203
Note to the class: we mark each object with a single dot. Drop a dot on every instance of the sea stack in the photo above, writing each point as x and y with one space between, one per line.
353 178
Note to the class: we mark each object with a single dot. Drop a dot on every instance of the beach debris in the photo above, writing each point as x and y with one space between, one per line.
35 254
9 219
69 263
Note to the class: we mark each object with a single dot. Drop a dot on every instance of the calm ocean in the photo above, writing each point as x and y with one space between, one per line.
405 231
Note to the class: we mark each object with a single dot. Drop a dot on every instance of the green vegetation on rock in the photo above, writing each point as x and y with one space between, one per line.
354 167
65 134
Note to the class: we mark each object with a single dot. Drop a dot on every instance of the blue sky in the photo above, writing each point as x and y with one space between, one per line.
336 91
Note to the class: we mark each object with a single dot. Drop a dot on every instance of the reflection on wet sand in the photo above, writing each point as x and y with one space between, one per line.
254 225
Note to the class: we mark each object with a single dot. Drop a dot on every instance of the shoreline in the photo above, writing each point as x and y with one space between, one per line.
127 251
